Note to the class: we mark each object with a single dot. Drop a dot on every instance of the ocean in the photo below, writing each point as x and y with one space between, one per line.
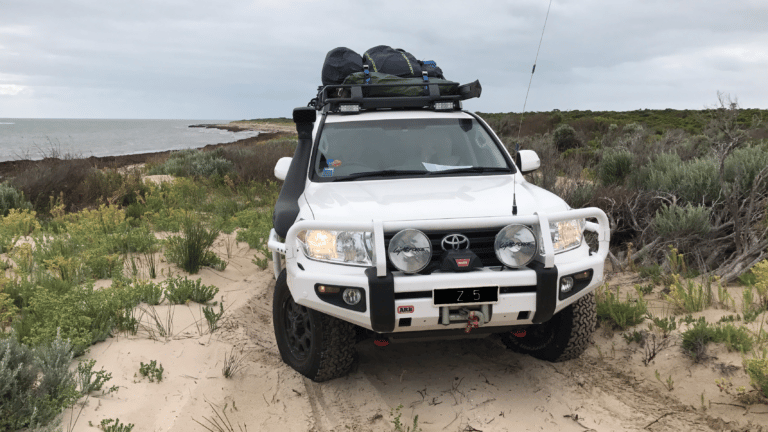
38 138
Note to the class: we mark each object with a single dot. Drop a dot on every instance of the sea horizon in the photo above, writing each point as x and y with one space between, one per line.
36 138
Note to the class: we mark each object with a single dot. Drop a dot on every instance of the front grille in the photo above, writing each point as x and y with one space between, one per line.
480 242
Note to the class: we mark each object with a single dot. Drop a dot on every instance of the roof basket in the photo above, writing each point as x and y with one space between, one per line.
333 98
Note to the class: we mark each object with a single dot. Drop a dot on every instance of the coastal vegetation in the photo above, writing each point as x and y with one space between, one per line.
686 193
70 225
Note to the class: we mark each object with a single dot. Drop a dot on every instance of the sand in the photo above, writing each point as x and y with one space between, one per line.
459 385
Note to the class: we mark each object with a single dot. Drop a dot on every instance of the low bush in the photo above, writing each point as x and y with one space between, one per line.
743 166
689 296
35 384
152 371
615 166
15 224
694 181
191 250
258 163
150 292
757 369
12 198
619 314
701 333
194 163
77 311
564 138
672 221
179 291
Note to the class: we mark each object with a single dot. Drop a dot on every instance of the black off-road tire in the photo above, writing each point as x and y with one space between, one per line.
316 345
564 337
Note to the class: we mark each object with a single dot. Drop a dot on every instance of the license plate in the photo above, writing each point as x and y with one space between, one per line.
465 296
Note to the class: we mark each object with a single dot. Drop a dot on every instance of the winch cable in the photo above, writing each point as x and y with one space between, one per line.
522 115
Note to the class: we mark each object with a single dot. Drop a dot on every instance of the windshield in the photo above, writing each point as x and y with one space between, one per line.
405 147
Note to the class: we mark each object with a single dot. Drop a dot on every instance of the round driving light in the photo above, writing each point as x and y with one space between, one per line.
566 284
515 245
410 250
351 296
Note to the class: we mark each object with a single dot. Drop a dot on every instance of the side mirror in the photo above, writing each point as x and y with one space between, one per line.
527 161
281 167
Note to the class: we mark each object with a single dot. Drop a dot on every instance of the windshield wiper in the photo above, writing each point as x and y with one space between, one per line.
472 170
384 173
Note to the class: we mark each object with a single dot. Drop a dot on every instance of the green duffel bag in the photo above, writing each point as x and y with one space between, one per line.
411 87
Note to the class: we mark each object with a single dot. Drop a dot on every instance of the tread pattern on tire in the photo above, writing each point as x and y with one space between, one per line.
579 320
583 325
339 349
335 352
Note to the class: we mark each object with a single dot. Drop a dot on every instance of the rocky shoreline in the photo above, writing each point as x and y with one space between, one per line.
10 168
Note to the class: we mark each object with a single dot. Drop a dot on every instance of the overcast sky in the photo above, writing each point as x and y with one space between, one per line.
242 59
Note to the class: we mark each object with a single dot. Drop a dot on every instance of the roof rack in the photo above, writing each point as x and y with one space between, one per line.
351 98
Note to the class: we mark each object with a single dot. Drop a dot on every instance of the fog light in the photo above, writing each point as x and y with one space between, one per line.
566 284
351 296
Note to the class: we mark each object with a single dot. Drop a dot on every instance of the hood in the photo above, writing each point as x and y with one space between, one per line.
427 198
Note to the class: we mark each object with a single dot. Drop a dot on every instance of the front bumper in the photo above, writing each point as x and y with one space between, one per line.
396 302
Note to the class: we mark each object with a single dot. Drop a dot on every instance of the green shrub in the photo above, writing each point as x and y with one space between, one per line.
258 163
213 317
757 369
79 312
564 138
12 198
620 314
696 338
689 296
743 165
615 166
114 425
653 272
581 195
190 251
152 371
194 163
15 224
666 325
257 223
35 384
672 221
179 291
149 292
89 380
632 128
693 181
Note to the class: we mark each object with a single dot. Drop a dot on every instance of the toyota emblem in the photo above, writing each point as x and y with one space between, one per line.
455 242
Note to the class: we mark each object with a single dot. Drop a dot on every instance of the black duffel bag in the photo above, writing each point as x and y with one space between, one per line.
340 63
392 61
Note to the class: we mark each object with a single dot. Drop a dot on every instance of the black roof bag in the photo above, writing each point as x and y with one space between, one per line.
392 61
340 63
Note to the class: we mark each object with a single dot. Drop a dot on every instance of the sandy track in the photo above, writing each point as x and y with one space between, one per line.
473 384
458 385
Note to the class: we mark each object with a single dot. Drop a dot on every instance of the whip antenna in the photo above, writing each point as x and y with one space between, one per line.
533 70
522 115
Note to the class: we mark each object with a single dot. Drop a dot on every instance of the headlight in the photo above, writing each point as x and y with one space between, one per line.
410 250
566 235
515 245
341 247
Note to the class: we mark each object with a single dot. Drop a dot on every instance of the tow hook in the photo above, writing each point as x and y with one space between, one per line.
475 320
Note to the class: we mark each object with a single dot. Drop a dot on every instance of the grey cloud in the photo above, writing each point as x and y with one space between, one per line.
237 59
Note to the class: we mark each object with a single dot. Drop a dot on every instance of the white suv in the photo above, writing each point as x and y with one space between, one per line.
407 217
